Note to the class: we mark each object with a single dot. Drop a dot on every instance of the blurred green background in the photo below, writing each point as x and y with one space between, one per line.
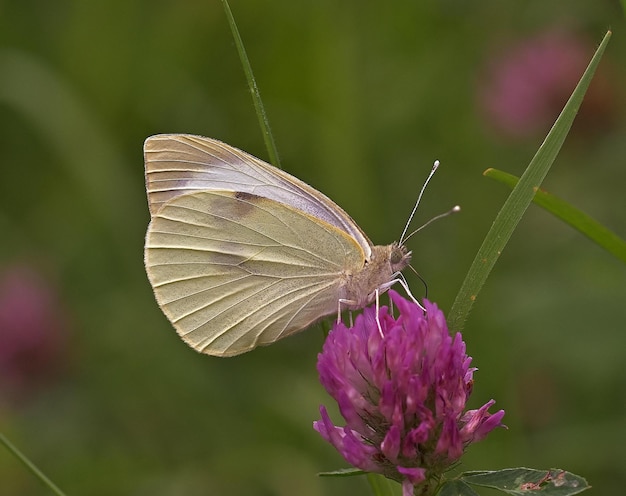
95 385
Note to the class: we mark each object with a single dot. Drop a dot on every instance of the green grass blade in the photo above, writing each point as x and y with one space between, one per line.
519 199
30 466
576 218
254 89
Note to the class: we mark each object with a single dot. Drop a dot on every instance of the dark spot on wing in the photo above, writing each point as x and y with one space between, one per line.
246 202
249 197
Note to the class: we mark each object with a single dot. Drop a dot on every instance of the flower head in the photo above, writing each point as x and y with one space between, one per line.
525 87
32 330
402 394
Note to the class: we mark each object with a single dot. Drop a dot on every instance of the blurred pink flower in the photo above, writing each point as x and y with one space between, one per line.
525 87
32 330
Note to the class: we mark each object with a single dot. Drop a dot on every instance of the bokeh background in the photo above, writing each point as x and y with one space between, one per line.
96 387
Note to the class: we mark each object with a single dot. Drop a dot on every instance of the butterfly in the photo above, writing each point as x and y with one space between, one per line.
241 254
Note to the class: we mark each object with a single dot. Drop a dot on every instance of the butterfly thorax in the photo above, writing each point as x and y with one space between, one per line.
378 273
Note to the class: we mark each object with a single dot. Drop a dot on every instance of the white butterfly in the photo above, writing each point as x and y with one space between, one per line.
241 254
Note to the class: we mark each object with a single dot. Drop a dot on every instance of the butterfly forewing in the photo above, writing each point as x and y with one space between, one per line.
177 164
233 270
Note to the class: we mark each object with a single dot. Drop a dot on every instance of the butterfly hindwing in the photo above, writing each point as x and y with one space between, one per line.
233 270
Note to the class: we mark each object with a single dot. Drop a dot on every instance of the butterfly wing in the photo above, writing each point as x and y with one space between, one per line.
233 270
178 163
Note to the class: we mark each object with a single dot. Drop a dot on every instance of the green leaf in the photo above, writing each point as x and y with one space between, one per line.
342 472
527 481
381 486
571 215
456 488
519 199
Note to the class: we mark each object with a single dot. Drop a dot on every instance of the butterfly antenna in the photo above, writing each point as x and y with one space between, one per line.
453 210
419 198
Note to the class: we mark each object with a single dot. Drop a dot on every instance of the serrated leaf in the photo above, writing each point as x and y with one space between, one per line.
527 481
571 215
456 488
342 472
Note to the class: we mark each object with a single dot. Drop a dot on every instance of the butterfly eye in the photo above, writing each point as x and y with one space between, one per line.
399 257
396 257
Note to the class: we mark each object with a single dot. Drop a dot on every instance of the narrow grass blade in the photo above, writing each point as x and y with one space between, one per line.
342 472
30 466
254 89
576 218
519 199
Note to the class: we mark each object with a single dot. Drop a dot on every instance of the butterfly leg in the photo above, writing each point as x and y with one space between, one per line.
347 303
402 281
380 328
398 278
